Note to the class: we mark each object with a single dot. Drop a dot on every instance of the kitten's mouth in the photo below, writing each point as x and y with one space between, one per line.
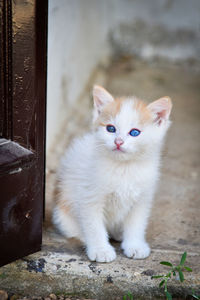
118 149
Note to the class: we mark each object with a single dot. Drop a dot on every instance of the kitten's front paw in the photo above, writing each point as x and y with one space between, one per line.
136 249
101 254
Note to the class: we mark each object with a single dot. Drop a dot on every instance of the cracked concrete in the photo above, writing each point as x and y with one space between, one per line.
61 266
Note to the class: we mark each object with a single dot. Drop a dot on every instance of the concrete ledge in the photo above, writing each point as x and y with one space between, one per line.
63 268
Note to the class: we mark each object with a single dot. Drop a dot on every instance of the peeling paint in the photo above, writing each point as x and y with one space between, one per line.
18 170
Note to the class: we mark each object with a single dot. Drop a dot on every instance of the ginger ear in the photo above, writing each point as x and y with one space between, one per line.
101 98
160 109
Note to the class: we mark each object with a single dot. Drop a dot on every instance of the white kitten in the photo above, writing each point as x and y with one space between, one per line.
108 177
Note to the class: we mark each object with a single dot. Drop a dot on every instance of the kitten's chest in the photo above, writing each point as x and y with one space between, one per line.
124 186
120 200
125 191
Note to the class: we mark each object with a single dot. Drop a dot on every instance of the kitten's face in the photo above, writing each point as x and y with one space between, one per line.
127 127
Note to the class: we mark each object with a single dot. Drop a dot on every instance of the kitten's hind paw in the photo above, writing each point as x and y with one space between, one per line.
136 250
101 254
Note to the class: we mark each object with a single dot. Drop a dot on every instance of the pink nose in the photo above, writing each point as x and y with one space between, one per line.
118 142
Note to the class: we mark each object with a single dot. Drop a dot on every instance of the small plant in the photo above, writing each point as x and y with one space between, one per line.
176 271
129 296
195 296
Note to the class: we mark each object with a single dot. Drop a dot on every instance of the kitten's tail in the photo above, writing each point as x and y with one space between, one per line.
65 222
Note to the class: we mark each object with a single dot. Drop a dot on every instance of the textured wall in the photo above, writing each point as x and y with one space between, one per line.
76 43
164 28
83 32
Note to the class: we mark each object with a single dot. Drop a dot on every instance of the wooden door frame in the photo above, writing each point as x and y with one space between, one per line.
23 65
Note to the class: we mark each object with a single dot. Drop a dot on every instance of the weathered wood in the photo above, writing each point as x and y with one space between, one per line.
23 33
21 213
13 157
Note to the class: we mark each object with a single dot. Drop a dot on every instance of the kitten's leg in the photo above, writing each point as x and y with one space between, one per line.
134 244
94 234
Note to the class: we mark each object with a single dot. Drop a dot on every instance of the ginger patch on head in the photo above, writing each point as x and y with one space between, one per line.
110 111
113 109
143 112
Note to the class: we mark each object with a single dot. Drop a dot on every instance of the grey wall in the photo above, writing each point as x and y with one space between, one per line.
76 43
168 28
82 33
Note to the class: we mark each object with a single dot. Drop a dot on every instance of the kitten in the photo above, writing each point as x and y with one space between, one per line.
108 177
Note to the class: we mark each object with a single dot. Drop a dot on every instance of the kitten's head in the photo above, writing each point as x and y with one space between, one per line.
126 127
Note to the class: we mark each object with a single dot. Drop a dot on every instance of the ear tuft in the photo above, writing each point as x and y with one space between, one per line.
101 98
161 109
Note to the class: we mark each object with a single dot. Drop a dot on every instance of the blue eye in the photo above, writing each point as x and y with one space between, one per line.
134 132
110 128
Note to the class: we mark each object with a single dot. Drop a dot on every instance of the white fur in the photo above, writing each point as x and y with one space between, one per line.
109 192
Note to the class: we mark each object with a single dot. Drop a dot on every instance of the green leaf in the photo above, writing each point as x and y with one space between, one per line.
169 275
183 258
157 276
188 269
166 263
195 297
174 273
161 283
130 296
181 276
168 295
